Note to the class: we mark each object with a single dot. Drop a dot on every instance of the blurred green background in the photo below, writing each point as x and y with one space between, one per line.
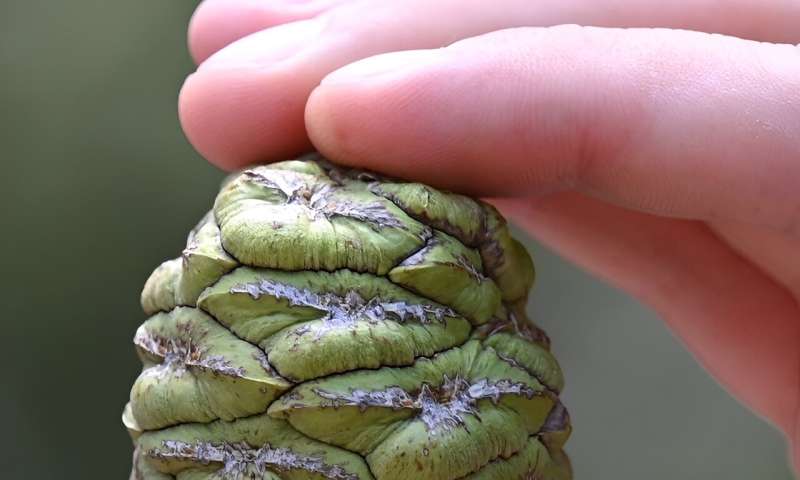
98 186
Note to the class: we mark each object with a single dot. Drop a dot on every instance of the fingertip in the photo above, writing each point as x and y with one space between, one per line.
216 24
226 117
245 103
394 113
353 126
193 107
328 128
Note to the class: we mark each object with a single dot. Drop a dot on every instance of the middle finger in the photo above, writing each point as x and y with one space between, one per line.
245 104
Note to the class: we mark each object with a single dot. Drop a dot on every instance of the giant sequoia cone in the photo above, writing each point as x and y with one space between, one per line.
325 323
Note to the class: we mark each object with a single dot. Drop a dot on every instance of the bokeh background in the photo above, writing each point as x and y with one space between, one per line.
98 185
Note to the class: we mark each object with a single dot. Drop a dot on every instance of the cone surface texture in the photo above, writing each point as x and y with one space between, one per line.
327 323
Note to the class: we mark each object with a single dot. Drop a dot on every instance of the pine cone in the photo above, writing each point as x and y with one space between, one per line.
327 323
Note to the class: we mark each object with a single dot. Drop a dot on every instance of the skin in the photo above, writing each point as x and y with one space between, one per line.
666 160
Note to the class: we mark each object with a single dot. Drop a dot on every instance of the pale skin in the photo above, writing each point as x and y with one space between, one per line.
666 160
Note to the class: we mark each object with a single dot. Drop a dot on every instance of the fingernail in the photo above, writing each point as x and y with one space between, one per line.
267 47
382 64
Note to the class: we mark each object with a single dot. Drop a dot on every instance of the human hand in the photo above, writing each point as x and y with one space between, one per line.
665 160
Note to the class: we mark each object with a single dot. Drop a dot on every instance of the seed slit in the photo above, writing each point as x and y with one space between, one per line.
442 408
179 354
321 200
343 311
240 460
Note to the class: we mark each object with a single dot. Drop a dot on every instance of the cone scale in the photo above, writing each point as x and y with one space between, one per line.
327 323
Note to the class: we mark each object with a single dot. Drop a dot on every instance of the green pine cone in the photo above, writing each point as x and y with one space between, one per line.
325 323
